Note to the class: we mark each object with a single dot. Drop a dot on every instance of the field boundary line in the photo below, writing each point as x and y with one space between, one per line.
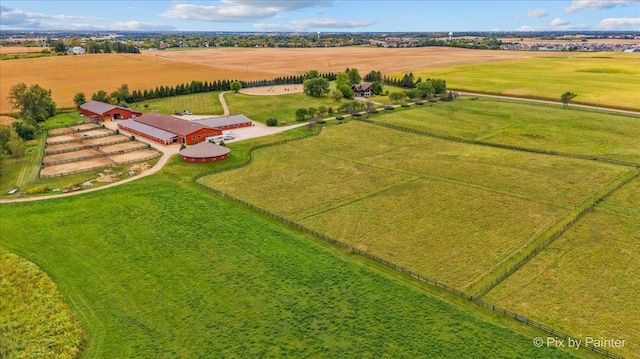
476 300
499 145
352 250
31 170
560 227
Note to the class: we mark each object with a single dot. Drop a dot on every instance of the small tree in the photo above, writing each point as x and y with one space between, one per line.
376 88
79 99
35 103
24 130
272 122
101 96
316 86
235 86
15 145
396 96
336 95
301 114
567 97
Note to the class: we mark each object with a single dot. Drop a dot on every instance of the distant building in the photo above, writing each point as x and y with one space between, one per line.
362 89
226 122
101 111
76 50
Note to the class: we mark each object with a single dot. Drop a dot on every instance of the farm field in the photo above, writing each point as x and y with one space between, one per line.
607 80
185 287
68 75
587 281
369 187
528 125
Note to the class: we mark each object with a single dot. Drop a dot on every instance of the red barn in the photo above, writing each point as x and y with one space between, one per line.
168 129
226 122
103 111
204 152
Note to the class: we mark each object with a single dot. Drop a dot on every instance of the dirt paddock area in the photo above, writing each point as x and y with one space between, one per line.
272 90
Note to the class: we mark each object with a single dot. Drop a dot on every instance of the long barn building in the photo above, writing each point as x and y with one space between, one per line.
167 129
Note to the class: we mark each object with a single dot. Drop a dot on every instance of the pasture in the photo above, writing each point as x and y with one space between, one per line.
587 281
528 125
185 286
402 196
610 79
206 103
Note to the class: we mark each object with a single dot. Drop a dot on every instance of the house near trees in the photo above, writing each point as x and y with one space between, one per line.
362 89
101 111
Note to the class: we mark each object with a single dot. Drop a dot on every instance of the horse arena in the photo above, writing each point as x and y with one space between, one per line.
89 147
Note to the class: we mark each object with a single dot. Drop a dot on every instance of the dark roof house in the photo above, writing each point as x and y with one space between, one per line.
362 89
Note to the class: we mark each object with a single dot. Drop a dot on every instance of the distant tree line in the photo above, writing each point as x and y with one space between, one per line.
122 96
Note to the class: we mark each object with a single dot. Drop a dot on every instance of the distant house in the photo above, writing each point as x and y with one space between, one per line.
167 129
226 122
76 50
101 111
362 89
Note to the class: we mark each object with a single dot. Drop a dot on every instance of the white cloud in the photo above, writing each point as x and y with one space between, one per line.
537 13
559 22
16 18
579 5
238 10
307 24
527 28
620 24
140 26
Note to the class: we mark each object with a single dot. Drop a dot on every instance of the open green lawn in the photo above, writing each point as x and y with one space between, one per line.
206 103
587 282
448 210
281 107
610 80
194 276
528 125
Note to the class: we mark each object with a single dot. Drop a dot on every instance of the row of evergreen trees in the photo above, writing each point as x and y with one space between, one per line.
206 86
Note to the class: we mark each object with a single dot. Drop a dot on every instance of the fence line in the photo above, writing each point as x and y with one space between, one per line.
498 145
474 299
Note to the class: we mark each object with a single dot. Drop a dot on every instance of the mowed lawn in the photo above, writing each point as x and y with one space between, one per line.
281 107
157 270
605 79
448 210
206 103
529 125
587 282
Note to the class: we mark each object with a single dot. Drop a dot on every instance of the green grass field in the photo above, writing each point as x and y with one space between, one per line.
528 125
371 188
612 80
35 321
281 107
206 103
210 279
587 282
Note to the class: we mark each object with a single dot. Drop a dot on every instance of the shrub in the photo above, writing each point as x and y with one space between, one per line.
133 138
389 108
117 131
357 114
272 122
182 146
405 105
322 122
339 117
419 103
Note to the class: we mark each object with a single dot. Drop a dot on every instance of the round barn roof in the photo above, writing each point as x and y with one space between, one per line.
204 150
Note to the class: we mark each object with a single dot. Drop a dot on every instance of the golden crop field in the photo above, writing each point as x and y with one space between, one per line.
19 49
68 75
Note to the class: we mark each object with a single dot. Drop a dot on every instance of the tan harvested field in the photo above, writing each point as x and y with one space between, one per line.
19 49
68 75
6 120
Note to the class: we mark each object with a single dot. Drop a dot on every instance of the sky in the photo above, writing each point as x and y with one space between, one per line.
321 15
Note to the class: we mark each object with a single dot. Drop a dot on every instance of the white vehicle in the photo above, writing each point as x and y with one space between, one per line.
227 135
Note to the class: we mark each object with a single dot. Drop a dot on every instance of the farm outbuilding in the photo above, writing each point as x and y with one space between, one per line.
167 129
226 122
102 111
204 152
